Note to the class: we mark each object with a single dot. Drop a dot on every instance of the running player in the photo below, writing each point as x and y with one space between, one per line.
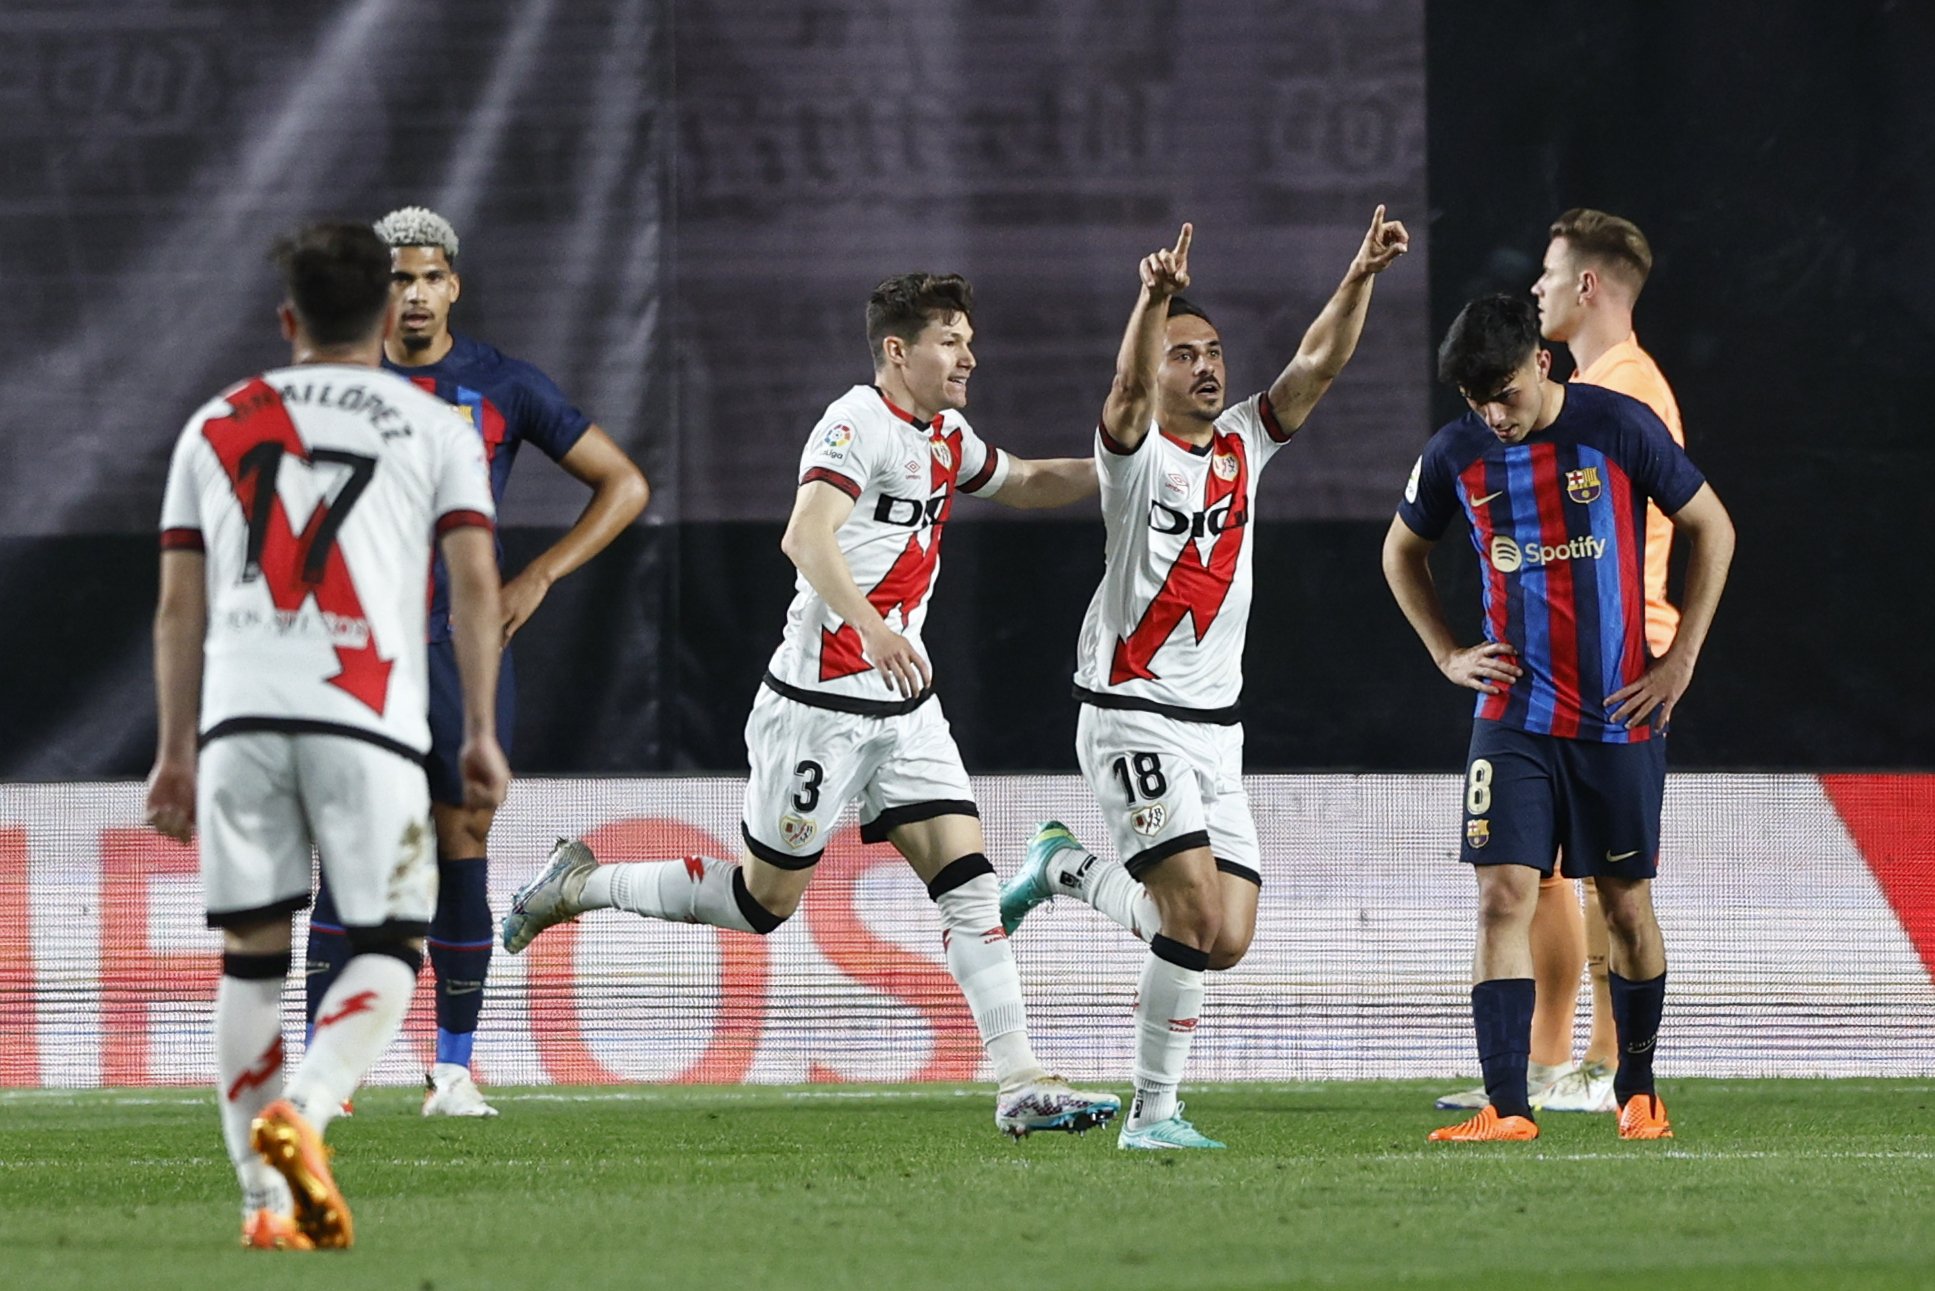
1565 750
507 403
297 524
847 710
1159 737
1595 265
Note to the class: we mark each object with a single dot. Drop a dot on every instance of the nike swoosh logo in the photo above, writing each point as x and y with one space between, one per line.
1623 855
1479 502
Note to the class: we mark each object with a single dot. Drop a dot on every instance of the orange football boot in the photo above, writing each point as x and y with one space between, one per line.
1487 1127
268 1230
293 1149
1644 1117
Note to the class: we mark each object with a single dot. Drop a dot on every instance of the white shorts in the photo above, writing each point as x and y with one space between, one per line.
263 798
1166 786
808 763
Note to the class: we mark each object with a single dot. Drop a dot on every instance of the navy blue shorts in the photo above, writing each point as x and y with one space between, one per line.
447 720
1529 797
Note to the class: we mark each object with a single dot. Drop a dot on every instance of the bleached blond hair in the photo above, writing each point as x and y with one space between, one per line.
418 226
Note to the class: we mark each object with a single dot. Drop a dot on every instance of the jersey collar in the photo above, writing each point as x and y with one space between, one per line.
904 415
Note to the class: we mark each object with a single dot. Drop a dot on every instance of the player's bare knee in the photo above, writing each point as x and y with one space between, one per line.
768 895
403 943
462 834
1193 915
1228 951
1501 904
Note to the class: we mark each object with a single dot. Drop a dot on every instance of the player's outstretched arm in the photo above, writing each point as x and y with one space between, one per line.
181 623
1407 569
475 633
812 543
1332 338
1708 529
1132 396
1047 482
619 491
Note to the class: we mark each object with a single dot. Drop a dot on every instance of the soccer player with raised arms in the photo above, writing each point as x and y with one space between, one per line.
507 403
1159 665
847 710
1565 749
299 517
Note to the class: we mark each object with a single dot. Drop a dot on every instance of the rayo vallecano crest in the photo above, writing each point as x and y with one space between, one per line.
797 831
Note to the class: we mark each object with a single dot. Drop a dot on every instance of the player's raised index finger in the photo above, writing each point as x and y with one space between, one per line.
1182 241
1377 217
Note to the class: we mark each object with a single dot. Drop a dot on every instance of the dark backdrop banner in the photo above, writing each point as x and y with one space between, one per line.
677 209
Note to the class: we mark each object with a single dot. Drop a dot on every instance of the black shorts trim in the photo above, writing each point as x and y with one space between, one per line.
875 830
958 873
773 856
310 726
1208 716
256 914
1144 861
844 704
364 938
1239 871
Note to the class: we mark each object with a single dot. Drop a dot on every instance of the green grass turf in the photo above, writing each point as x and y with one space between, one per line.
1769 1184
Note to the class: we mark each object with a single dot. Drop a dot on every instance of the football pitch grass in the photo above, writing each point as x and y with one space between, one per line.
1769 1184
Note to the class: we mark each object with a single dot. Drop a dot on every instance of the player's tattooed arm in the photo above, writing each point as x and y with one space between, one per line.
1704 522
811 542
1332 338
181 622
1132 396
1482 667
619 491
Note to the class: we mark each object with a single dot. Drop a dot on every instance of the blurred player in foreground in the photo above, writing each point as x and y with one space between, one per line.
507 403
1159 666
298 520
848 711
1595 265
1565 749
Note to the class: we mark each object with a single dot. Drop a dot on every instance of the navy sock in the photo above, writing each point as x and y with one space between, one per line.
1636 1008
460 944
328 952
1501 1013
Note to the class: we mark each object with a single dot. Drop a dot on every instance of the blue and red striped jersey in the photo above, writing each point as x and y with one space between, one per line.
1559 525
508 402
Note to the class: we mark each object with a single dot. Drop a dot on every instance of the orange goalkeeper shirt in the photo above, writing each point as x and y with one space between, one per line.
1631 371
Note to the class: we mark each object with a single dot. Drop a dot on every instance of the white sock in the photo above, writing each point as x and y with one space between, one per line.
982 962
1168 1000
693 889
355 1023
248 1077
1108 887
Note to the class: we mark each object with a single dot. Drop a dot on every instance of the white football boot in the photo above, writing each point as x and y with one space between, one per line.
451 1092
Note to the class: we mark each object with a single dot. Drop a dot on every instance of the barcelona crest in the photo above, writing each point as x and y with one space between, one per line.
1583 486
1478 832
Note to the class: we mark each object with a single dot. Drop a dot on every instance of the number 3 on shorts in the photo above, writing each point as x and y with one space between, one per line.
1478 787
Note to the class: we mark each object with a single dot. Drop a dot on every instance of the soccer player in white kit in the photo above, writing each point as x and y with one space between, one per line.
297 525
1159 665
847 710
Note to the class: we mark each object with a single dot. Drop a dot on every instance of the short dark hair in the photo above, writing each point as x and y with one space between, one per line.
903 305
1488 341
1607 240
1184 308
336 275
